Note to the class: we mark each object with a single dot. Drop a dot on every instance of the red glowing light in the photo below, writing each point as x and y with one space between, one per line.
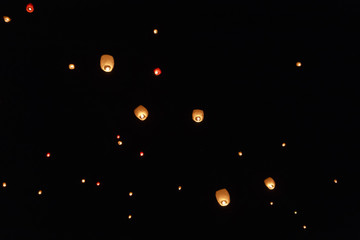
48 155
118 136
157 71
141 154
98 184
29 8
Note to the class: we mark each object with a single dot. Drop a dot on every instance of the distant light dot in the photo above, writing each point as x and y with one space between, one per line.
130 194
118 136
48 155
295 212
83 180
335 181
39 192
155 31
240 154
298 64
98 184
71 66
129 217
304 227
4 184
157 71
119 142
141 154
7 19
283 144
179 188
271 203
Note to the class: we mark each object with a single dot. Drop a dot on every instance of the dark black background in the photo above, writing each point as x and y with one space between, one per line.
234 60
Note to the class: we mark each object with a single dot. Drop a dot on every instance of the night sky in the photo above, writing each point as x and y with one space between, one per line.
234 60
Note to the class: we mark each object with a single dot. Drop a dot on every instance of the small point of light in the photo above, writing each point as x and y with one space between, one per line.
4 184
271 203
83 180
298 64
223 203
157 71
335 181
98 184
141 154
283 144
155 31
129 217
118 136
120 142
130 194
40 192
71 66
295 212
7 19
48 155
304 227
240 154
179 188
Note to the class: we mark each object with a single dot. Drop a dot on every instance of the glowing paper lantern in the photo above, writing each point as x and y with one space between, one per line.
7 19
155 31
223 197
107 63
198 115
29 8
4 184
141 112
157 71
40 192
270 183
71 66
298 64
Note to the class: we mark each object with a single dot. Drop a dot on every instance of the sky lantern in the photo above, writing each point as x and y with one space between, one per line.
107 63
71 66
157 71
270 183
298 64
198 115
7 19
141 112
155 31
30 8
223 197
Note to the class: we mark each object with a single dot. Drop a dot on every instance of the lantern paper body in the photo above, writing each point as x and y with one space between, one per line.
29 8
270 183
198 115
141 112
223 197
107 63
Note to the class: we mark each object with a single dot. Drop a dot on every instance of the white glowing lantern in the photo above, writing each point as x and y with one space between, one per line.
107 63
270 183
141 112
223 197
198 115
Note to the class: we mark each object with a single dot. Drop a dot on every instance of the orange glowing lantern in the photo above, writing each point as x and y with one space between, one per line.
4 184
223 197
157 71
71 66
30 8
198 115
98 184
107 63
7 19
298 64
270 183
141 112
48 155
155 31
